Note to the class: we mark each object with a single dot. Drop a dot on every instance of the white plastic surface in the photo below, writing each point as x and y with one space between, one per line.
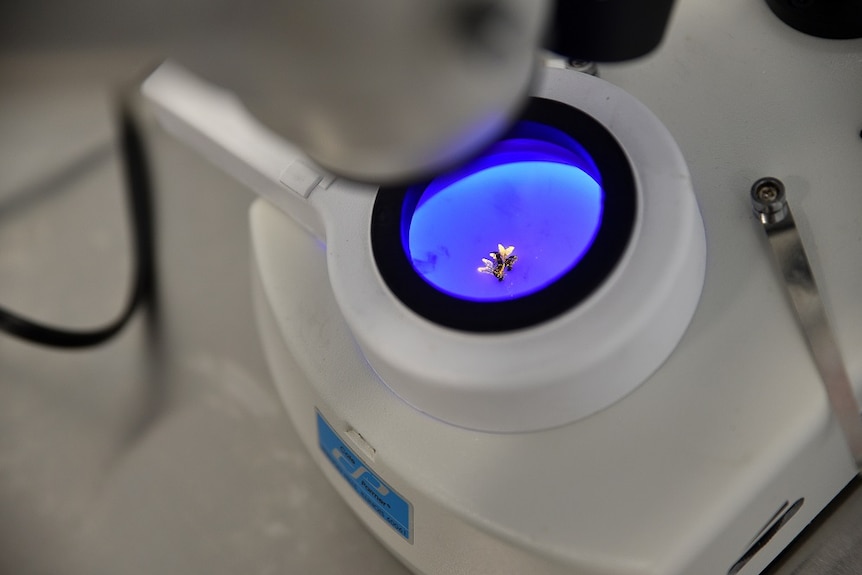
676 479
216 124
571 366
554 373
682 475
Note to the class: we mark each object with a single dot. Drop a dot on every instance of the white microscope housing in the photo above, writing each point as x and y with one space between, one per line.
630 396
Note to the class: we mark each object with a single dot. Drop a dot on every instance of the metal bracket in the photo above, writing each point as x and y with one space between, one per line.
770 205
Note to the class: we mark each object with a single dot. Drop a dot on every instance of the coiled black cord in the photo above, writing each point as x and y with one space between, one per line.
140 208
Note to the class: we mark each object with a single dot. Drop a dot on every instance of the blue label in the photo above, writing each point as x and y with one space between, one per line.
386 502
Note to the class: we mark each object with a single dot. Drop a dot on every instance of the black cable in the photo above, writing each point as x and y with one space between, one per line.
140 206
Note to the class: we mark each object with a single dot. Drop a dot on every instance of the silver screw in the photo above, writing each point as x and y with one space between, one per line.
768 201
767 192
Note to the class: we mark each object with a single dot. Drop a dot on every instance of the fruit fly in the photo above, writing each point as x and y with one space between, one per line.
500 263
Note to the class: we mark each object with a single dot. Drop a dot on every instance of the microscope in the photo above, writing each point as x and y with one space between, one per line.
525 318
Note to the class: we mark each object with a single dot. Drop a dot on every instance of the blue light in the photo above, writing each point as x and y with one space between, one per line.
538 190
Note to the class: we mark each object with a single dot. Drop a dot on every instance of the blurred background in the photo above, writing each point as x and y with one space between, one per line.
165 450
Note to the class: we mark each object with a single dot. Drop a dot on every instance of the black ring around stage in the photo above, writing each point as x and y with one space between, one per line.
613 236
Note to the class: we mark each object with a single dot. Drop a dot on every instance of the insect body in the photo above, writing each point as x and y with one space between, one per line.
501 263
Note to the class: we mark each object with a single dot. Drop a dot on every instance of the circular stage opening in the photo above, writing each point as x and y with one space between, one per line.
517 236
511 222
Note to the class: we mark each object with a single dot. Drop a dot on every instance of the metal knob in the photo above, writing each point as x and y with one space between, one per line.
768 200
